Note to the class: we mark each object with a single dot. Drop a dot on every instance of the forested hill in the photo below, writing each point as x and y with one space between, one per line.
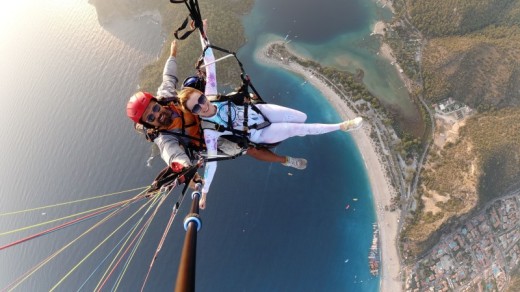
481 165
224 29
444 18
472 52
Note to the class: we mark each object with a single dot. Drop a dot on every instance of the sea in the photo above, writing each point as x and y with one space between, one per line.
66 79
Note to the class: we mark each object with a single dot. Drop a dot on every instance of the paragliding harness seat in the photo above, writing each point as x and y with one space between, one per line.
241 137
242 97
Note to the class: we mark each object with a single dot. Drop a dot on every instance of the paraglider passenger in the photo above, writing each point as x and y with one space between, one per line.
282 123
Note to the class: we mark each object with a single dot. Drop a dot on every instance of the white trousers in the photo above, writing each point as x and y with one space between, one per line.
286 123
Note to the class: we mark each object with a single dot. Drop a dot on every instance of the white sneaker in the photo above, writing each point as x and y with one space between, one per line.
350 125
298 163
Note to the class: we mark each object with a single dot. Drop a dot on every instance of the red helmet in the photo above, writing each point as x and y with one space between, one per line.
137 105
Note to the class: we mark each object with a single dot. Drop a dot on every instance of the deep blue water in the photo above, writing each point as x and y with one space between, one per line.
67 137
311 21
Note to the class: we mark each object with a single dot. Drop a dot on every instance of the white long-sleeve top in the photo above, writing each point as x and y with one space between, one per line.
221 118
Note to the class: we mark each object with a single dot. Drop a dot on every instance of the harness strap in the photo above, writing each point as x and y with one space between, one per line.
245 131
229 157
229 126
193 8
246 81
183 122
190 125
264 124
245 124
229 122
183 26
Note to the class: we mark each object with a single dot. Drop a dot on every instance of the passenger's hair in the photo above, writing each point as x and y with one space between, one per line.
185 94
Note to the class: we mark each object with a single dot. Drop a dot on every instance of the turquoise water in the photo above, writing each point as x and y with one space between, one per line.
341 38
266 227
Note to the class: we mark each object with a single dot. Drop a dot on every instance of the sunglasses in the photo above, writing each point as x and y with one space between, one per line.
151 117
202 100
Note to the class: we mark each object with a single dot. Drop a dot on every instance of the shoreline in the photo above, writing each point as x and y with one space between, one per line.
386 52
380 184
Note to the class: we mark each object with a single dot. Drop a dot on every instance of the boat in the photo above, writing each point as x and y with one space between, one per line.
373 255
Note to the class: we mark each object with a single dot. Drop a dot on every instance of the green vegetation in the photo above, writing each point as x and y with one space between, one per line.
471 53
482 164
409 144
347 81
480 69
429 217
468 51
496 136
515 279
224 30
443 18
352 85
405 44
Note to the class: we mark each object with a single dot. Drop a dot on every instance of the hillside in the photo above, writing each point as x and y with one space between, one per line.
224 30
468 51
443 18
472 52
480 69
477 163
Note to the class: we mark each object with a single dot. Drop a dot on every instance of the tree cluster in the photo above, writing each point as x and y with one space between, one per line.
224 30
446 18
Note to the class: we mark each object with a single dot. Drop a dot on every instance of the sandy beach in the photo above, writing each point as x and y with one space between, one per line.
380 184
379 28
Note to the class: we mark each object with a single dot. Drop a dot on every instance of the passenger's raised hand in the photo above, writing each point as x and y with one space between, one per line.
173 48
202 201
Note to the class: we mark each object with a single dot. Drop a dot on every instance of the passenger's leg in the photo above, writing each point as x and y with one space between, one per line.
267 155
280 114
277 132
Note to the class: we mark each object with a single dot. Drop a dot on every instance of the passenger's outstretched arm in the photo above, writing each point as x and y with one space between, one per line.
210 138
168 88
211 70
